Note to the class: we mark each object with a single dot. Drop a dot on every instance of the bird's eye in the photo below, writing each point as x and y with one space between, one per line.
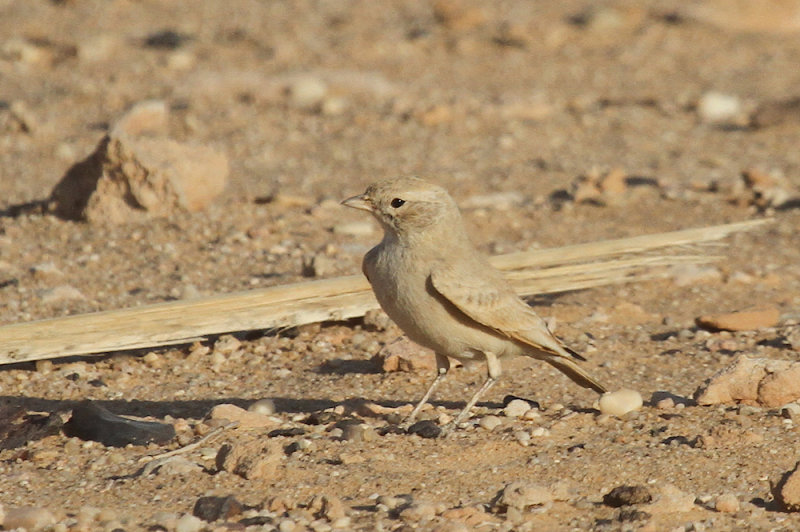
397 203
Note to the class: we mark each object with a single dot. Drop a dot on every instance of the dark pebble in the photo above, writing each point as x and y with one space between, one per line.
626 496
91 421
425 429
214 508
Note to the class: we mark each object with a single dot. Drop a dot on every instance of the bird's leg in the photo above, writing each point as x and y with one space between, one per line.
442 366
494 370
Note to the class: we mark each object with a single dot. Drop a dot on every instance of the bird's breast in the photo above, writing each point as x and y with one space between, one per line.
401 285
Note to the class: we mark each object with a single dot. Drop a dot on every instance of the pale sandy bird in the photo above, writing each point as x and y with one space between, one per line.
444 295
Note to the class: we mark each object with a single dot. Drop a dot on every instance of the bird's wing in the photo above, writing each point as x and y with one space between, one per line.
484 295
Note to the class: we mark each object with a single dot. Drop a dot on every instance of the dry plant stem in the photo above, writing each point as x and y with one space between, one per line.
341 298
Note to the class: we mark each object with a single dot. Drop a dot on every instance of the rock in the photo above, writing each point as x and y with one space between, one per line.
420 511
523 496
132 177
144 118
251 459
213 508
307 92
620 402
178 465
757 381
627 495
357 431
727 503
516 408
189 523
30 518
716 107
425 429
227 345
328 507
405 355
787 490
791 411
91 421
490 423
740 321
668 498
264 407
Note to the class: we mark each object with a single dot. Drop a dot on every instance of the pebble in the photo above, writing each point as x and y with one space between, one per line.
787 490
620 402
727 503
627 495
669 498
762 381
307 92
245 418
516 408
404 355
189 523
716 107
523 437
524 496
30 518
264 407
791 411
421 511
358 432
540 432
740 321
213 508
90 421
490 422
253 459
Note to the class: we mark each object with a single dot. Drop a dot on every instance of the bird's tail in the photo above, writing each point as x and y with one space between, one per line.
575 372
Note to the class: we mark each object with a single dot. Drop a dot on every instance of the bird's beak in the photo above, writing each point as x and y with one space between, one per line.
361 202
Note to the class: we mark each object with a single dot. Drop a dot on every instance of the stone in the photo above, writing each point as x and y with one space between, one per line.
716 107
328 507
189 523
523 496
627 496
421 511
516 408
90 421
144 118
134 175
727 503
787 490
740 321
307 92
490 423
620 402
246 419
425 429
264 407
405 355
213 508
755 381
30 518
668 498
251 459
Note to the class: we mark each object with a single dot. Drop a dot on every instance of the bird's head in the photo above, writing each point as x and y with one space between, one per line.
408 206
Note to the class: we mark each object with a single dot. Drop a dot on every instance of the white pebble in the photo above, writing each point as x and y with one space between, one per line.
516 408
620 402
718 107
490 422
